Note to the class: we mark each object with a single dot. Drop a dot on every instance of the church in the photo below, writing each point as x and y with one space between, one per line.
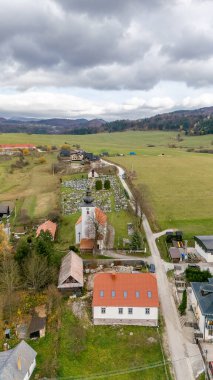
91 227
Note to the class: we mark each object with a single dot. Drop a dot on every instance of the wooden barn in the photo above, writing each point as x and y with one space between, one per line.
71 274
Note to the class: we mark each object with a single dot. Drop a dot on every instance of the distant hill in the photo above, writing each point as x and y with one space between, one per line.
193 122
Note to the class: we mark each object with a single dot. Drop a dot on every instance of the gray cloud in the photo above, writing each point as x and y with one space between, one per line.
105 45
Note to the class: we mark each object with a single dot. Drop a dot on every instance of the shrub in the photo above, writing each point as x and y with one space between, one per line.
183 304
98 185
107 184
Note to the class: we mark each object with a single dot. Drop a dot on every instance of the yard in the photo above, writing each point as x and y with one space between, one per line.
83 350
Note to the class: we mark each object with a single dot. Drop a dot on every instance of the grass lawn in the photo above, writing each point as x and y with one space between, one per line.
105 348
88 350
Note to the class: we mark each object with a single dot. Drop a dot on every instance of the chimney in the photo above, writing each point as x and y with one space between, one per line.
19 363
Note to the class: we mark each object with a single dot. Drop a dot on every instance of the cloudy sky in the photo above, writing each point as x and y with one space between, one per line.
105 58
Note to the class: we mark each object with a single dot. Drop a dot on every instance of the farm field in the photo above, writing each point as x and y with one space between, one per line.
84 350
32 188
177 189
176 184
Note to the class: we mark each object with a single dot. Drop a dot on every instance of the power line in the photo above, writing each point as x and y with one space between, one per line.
121 372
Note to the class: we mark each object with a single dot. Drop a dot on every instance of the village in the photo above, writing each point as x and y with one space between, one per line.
102 282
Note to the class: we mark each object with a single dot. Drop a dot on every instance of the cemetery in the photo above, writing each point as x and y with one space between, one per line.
109 200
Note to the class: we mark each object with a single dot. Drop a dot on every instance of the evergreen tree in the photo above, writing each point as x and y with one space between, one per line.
98 185
107 184
136 240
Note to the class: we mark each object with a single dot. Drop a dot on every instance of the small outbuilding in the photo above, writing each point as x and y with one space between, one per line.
174 254
4 210
71 273
37 328
93 174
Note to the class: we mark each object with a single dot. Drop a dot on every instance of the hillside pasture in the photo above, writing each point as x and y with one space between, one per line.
33 188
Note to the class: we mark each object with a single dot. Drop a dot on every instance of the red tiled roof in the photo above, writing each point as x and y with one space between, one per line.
126 282
87 244
79 220
21 146
100 216
47 226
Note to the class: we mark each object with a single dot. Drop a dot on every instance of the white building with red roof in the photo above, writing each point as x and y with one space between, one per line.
126 299
91 227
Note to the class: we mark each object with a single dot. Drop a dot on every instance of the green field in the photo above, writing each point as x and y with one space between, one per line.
175 184
80 349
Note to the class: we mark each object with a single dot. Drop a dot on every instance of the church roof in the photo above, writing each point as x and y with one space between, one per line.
100 216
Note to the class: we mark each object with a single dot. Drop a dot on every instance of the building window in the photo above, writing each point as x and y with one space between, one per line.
137 294
120 310
87 212
125 294
113 293
147 310
101 293
103 310
149 293
130 310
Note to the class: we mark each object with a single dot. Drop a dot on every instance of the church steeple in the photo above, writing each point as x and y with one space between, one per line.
88 199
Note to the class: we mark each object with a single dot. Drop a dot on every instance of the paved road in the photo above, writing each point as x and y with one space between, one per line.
176 342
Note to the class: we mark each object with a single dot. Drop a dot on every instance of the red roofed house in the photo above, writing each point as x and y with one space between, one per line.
126 299
91 227
47 226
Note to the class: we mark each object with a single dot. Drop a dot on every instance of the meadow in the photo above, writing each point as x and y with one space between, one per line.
176 183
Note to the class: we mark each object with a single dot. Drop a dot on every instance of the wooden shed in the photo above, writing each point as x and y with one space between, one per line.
71 274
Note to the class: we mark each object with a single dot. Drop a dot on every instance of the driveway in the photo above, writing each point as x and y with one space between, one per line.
185 356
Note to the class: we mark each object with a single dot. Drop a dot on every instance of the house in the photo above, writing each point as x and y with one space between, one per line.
47 226
77 155
4 210
37 328
18 363
202 305
93 174
91 227
204 246
71 273
126 299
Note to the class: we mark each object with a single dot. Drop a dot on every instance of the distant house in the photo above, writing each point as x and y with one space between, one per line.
132 153
126 299
18 363
47 226
93 174
77 155
202 304
204 246
4 210
71 273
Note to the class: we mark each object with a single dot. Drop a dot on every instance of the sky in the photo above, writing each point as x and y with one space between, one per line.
110 59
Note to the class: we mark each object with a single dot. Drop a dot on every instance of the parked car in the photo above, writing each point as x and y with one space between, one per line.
152 268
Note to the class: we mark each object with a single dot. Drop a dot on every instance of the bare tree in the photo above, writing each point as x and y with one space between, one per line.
9 281
36 272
